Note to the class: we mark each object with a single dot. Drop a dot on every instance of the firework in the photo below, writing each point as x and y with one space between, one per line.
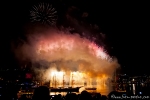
69 43
71 59
44 13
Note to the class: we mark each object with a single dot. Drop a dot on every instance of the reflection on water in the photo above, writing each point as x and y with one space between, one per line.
104 90
62 93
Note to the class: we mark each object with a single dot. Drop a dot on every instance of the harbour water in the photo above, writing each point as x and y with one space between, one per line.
104 91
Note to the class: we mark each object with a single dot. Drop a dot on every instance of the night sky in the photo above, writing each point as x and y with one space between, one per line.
126 26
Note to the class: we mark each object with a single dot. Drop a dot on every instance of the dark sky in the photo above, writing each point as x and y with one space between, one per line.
126 26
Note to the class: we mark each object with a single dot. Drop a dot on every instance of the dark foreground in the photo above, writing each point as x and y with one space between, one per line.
42 93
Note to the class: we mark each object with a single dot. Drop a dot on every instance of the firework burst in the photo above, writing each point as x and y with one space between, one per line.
44 13
66 55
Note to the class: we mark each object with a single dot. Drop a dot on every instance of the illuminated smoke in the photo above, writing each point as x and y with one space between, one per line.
67 53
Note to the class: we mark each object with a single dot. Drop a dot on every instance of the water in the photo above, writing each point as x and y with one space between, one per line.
103 92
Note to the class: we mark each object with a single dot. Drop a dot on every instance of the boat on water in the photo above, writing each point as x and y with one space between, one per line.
90 88
69 89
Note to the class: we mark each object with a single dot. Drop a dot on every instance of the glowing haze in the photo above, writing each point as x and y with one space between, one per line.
73 60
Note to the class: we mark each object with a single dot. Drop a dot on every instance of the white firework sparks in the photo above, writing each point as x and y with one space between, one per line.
44 13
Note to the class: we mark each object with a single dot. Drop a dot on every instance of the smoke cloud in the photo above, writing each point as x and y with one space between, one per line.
57 50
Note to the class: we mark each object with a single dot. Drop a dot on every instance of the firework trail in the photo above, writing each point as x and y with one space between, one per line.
44 13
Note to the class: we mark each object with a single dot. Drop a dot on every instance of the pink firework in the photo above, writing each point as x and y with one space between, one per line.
68 43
